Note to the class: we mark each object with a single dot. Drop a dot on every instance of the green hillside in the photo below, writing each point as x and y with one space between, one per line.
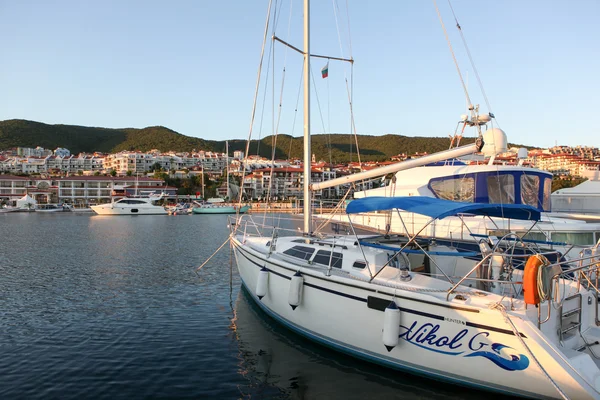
78 139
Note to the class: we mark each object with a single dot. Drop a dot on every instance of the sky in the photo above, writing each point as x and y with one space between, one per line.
191 65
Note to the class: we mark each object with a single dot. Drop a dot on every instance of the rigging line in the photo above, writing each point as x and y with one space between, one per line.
470 58
321 114
276 134
300 88
333 212
353 125
335 12
276 14
264 102
337 25
452 52
257 87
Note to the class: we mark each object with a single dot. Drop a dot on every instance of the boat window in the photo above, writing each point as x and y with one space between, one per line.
302 252
323 257
501 189
576 238
547 192
457 189
541 236
128 201
359 264
530 185
499 233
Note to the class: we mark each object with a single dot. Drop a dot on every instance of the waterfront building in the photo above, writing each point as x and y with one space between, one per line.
78 189
284 182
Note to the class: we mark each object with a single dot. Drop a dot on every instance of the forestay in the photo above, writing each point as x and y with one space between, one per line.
439 208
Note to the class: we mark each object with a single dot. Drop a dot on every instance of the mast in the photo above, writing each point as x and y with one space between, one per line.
227 166
307 155
203 198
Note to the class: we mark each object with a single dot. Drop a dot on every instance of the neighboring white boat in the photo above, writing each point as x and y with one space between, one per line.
4 210
130 206
504 184
26 203
534 332
51 208
581 201
82 209
180 209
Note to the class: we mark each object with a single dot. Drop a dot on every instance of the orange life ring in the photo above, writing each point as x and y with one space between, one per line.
530 279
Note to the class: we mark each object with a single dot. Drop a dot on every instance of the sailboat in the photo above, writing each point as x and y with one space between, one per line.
532 331
218 207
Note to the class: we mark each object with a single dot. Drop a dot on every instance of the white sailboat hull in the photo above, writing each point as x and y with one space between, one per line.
438 340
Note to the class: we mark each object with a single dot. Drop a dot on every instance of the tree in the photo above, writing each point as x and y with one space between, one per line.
156 167
160 175
129 172
113 172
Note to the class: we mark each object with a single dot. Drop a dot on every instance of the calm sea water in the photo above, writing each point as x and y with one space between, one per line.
111 308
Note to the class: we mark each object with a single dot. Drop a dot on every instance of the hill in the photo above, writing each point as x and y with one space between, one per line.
78 139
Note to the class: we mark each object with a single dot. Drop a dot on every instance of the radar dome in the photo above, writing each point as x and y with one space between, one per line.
494 142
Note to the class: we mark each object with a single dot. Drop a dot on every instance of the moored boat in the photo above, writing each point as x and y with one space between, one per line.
514 323
217 208
130 206
52 208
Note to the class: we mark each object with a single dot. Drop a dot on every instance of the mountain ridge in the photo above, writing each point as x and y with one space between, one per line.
335 147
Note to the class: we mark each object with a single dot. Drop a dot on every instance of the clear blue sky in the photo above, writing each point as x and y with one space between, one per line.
191 66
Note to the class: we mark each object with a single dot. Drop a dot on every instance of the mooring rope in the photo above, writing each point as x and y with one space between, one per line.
213 254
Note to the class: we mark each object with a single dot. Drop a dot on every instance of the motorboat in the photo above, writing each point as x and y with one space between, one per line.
81 209
180 209
52 208
8 209
482 183
131 206
518 323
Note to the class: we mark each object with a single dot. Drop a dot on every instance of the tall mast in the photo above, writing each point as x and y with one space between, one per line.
227 166
307 155
203 198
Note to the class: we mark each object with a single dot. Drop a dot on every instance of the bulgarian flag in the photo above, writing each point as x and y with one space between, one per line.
325 71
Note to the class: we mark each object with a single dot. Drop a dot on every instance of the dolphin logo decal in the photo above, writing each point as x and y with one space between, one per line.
505 360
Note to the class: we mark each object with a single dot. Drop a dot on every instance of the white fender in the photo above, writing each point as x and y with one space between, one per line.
391 326
295 295
263 283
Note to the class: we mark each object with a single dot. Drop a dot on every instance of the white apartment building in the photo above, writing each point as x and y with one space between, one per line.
52 164
134 161
140 163
285 183
29 152
74 189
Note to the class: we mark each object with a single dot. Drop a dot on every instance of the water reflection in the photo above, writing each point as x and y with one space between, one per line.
281 364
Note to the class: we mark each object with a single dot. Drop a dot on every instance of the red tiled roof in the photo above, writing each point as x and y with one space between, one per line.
106 178
13 178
